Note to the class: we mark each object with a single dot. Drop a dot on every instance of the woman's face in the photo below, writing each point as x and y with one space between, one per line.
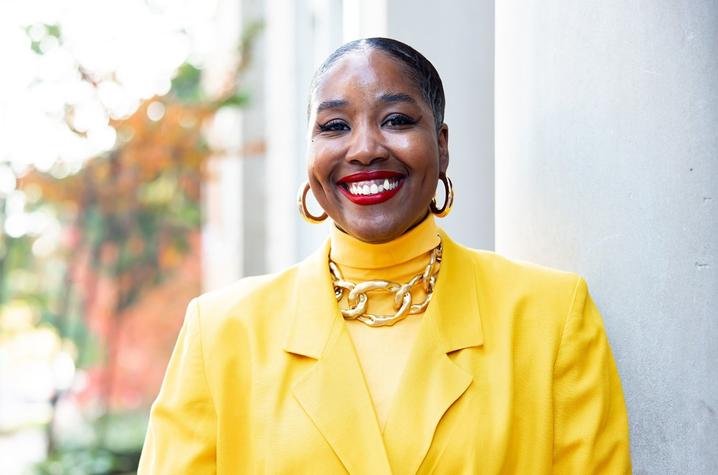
374 153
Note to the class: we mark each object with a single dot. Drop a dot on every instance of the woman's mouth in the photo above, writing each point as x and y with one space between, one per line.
369 188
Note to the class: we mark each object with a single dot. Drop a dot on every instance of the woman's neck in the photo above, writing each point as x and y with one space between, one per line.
348 251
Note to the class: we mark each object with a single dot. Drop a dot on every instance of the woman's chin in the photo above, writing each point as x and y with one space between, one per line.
377 230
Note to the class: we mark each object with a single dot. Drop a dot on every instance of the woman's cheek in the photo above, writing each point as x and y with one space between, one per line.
414 143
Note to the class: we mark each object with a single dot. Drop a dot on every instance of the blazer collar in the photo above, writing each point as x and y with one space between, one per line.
313 306
455 301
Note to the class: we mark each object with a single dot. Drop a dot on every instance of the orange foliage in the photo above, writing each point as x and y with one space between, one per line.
133 219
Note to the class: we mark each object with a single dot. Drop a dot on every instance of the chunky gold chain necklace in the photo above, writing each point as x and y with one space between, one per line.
358 299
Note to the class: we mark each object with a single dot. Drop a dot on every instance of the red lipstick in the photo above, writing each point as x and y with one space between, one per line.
371 193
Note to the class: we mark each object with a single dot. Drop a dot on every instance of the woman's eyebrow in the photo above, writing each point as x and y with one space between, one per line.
387 97
394 97
332 104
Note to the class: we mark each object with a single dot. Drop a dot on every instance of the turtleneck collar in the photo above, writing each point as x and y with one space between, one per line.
349 251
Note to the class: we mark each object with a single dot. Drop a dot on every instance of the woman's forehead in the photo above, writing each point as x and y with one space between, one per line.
364 71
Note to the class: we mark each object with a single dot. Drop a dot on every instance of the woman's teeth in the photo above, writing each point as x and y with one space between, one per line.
372 187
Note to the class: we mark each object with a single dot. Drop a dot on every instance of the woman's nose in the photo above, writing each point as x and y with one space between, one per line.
366 145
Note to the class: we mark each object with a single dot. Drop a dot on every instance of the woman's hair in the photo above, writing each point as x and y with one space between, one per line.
420 69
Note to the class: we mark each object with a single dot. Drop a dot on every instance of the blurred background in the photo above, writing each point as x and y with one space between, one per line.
151 150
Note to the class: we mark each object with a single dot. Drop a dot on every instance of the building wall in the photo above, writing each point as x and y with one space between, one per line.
607 164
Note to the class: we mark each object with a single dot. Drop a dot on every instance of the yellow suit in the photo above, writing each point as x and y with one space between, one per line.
510 373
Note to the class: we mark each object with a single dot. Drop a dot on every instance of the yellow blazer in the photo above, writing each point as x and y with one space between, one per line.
510 373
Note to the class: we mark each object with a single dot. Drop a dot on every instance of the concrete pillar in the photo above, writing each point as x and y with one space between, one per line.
234 241
222 230
607 164
253 148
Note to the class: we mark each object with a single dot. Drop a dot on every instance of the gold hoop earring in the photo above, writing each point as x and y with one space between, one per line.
301 196
449 200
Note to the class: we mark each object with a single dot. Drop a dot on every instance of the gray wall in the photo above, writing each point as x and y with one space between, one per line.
607 164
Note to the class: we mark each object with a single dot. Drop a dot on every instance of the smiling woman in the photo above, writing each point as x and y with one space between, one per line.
373 129
392 349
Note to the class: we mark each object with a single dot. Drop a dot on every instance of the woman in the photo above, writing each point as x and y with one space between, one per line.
392 349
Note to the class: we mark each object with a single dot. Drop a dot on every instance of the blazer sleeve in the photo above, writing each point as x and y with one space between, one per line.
181 435
590 421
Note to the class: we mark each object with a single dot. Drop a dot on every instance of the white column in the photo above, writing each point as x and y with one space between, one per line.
282 129
222 231
364 18
254 192
606 121
222 228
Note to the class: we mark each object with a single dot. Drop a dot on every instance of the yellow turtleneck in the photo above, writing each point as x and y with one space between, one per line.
383 351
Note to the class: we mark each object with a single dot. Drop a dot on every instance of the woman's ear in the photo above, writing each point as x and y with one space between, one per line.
443 139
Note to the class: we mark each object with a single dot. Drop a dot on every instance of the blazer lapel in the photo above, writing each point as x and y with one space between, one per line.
333 392
432 382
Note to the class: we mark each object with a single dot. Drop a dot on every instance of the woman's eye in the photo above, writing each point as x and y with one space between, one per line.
398 120
333 126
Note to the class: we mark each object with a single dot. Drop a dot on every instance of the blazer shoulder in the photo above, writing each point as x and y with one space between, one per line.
247 300
528 272
529 285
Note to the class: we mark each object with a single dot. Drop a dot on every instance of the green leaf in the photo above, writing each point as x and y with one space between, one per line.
186 84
